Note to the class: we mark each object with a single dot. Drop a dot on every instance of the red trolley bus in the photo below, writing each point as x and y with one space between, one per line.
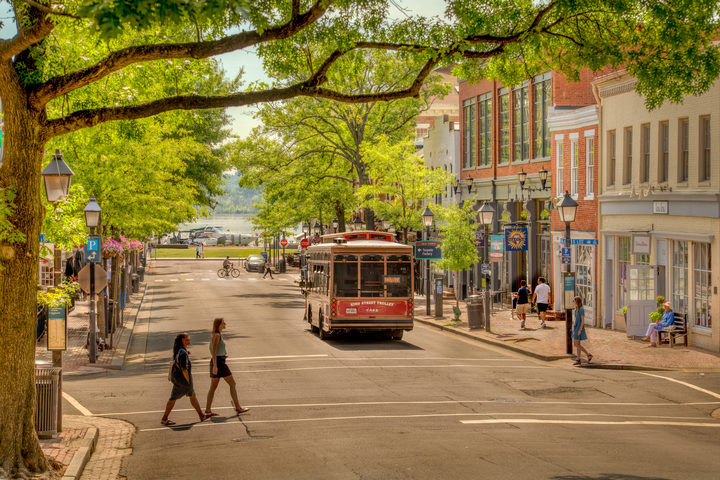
359 281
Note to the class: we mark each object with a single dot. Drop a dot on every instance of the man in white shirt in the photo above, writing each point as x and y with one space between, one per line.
542 299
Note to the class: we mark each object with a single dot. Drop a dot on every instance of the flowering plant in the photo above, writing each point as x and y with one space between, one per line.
130 245
112 247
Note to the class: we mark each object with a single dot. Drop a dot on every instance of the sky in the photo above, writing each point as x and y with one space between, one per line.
243 122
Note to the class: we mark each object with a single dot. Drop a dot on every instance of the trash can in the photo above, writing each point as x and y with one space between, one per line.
281 265
475 311
141 273
135 283
47 382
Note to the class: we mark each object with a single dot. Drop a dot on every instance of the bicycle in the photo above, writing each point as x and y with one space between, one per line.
223 272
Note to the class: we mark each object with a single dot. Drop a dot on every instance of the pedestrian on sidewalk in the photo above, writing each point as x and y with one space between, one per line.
542 299
181 376
197 252
267 269
654 328
219 369
578 332
202 250
523 302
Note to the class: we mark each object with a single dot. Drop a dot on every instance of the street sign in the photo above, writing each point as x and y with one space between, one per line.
57 329
92 249
566 256
264 255
428 250
284 242
100 278
582 241
304 243
485 269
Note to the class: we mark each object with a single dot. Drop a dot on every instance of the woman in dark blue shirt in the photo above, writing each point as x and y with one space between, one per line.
654 328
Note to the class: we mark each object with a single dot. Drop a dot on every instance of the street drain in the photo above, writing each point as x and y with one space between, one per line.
250 439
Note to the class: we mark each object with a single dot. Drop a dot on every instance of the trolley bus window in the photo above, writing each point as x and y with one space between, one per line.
372 269
404 271
345 283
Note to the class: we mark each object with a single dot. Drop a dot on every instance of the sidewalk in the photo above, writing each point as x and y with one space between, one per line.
610 348
76 356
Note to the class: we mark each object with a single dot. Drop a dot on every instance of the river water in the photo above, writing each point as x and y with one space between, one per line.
234 223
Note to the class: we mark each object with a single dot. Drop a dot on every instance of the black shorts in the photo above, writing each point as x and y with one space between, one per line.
180 390
542 307
223 369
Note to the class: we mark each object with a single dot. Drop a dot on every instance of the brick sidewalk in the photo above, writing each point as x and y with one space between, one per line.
62 448
78 321
608 347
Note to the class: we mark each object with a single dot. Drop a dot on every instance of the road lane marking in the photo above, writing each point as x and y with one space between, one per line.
429 402
205 279
358 367
245 420
77 405
189 279
695 387
173 279
587 422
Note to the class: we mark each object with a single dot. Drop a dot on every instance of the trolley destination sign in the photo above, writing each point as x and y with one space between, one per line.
428 250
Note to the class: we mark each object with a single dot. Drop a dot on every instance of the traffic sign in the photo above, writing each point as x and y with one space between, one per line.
304 243
485 269
100 278
92 249
284 242
566 256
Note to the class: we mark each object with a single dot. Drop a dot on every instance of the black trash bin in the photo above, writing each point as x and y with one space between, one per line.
281 265
135 283
141 273
475 311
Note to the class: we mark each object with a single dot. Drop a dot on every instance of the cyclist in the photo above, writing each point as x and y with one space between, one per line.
227 265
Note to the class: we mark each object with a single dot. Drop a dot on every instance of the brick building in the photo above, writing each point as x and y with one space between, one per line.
505 131
575 170
659 185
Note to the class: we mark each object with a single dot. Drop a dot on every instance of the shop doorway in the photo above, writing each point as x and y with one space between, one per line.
641 304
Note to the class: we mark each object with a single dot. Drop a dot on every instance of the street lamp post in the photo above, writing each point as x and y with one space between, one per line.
335 225
487 214
386 224
427 218
567 209
358 223
92 220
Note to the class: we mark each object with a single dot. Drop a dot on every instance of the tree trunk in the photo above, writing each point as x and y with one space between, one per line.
340 215
20 451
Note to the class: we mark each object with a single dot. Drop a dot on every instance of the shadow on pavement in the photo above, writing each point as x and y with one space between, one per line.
367 341
606 476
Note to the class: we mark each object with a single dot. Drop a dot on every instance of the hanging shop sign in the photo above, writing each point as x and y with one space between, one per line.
516 239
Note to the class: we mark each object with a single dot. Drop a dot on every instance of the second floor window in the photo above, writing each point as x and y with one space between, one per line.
664 151
574 181
590 166
559 163
627 174
485 110
705 161
542 132
684 150
521 122
469 136
611 158
504 102
645 166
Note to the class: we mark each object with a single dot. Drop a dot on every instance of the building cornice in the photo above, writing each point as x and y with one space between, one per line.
572 119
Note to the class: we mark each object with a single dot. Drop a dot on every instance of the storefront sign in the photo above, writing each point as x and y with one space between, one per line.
569 290
496 248
641 244
428 250
372 307
516 239
661 208
57 330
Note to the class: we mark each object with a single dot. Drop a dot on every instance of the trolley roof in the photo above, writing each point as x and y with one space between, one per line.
361 239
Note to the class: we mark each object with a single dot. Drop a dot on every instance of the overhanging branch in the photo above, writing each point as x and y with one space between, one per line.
25 38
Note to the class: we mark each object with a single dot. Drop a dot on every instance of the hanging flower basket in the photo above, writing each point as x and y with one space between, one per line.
111 247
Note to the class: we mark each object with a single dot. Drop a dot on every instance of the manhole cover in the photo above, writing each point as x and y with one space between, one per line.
250 439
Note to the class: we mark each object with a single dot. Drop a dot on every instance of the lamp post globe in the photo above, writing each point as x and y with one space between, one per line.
317 228
358 223
92 213
335 225
543 174
486 214
522 176
57 177
427 217
469 183
386 224
567 208
305 227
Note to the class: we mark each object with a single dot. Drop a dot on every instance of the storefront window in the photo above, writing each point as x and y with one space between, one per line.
623 263
642 259
680 276
703 284
583 269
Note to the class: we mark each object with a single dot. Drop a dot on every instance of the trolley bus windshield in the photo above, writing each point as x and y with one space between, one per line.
372 275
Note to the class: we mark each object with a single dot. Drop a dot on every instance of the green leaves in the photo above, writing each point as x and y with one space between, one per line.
8 232
457 228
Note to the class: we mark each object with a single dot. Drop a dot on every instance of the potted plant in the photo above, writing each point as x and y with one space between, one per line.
624 310
660 300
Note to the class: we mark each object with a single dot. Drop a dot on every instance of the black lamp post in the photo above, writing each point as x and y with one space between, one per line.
92 220
427 218
317 228
358 223
486 215
567 208
57 176
469 183
335 225
543 174
455 184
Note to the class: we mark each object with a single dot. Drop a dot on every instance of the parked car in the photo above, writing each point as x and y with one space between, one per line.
255 263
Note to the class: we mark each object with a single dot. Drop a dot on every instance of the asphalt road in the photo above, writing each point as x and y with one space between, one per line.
432 406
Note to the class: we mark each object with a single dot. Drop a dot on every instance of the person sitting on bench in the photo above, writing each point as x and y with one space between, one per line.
654 328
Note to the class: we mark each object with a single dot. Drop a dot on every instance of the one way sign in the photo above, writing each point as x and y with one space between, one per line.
93 252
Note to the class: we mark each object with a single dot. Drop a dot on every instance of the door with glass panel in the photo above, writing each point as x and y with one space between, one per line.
642 298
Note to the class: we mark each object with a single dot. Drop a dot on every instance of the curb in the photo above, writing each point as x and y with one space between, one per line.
121 350
82 455
539 356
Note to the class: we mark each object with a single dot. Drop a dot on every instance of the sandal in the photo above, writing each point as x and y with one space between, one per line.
211 414
206 416
167 423
578 362
241 410
589 358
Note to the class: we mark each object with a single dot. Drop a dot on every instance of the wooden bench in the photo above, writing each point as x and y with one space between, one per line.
679 328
